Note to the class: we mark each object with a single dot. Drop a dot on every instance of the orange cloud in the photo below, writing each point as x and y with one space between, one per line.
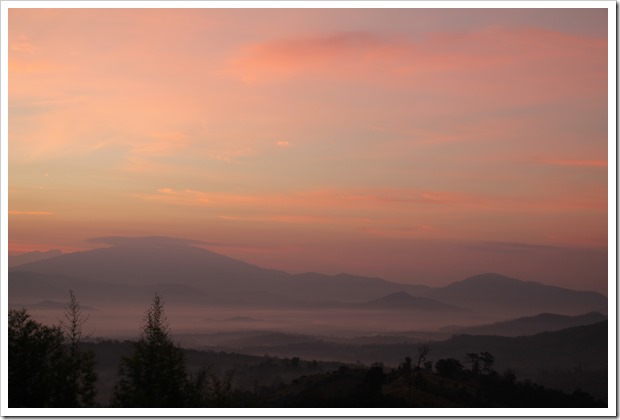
382 58
29 213
286 57
161 144
355 202
22 44
576 162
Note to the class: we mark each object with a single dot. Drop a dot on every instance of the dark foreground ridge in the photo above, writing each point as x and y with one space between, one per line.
156 372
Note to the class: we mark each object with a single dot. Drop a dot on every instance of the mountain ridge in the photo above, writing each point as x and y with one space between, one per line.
141 263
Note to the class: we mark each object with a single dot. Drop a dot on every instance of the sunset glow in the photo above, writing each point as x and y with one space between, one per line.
417 145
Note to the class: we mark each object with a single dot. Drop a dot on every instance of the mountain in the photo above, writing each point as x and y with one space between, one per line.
495 293
403 300
529 325
132 269
567 359
27 285
19 259
149 261
346 287
158 261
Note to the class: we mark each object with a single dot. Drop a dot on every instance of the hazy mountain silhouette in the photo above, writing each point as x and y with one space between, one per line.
529 325
28 284
15 260
495 293
157 261
566 359
134 268
403 300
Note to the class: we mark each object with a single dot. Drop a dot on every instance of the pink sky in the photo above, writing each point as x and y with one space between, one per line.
419 145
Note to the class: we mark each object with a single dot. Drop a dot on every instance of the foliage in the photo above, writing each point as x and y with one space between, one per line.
449 368
154 375
47 368
80 387
36 358
481 362
423 351
205 389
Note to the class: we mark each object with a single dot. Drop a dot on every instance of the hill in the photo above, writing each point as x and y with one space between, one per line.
529 325
148 261
132 269
566 359
271 381
495 293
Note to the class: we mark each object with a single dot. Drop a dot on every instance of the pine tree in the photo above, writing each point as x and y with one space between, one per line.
36 362
81 376
154 375
47 368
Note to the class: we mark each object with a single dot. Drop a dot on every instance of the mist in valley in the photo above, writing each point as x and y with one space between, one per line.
217 306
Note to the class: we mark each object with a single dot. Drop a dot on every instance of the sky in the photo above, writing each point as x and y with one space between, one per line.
417 145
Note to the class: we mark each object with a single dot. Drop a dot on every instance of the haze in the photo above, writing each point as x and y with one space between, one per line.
421 146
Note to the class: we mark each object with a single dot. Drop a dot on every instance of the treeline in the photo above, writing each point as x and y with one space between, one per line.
51 367
47 368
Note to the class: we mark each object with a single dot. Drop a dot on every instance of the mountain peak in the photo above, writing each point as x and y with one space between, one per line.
147 241
399 296
487 280
491 277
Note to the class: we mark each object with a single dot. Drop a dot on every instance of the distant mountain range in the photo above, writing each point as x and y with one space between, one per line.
27 257
495 293
133 270
566 359
529 325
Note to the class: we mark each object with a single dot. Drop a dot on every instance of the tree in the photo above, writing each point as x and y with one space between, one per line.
448 368
154 375
80 365
35 355
481 362
423 351
47 368
474 359
371 388
204 389
487 360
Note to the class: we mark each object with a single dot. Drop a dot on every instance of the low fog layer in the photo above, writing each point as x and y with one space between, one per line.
208 292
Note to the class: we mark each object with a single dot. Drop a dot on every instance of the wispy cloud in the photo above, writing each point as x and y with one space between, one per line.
593 163
509 247
161 144
29 213
389 58
355 202
21 44
288 56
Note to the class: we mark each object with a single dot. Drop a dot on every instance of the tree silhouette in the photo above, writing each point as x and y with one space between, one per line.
154 375
481 362
423 351
449 368
80 365
371 389
46 366
487 360
474 359
36 355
